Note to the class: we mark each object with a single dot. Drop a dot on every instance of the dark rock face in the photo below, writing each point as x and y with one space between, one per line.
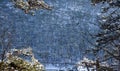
56 35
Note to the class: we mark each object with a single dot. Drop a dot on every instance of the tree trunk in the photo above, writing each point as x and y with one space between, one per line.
87 67
119 66
97 65
119 61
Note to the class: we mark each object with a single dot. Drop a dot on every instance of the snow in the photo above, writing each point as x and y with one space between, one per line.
51 67
55 31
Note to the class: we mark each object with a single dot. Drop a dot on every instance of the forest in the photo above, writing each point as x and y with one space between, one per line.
59 35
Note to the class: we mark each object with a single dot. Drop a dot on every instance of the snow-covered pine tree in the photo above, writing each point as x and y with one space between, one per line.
108 39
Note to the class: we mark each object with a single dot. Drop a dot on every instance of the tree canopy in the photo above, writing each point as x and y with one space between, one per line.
108 38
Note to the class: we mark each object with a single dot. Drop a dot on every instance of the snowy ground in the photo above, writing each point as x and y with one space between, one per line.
55 36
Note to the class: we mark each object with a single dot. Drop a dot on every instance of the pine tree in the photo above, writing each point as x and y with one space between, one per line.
108 39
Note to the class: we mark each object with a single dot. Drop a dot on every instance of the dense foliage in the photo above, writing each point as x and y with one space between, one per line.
15 61
28 5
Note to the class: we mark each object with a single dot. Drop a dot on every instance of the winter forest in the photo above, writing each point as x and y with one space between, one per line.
59 35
